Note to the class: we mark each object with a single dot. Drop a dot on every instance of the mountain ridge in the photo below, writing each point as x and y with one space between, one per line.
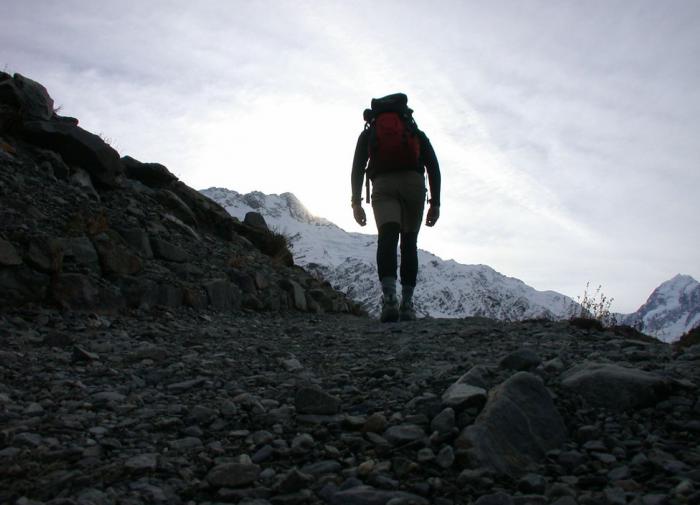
445 288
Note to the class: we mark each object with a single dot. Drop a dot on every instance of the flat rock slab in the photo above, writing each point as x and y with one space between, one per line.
615 387
518 425
233 474
310 400
522 359
366 495
404 433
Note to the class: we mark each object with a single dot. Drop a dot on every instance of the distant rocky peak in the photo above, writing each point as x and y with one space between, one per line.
275 206
676 289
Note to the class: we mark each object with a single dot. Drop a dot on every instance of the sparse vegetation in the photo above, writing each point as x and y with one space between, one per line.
593 307
688 339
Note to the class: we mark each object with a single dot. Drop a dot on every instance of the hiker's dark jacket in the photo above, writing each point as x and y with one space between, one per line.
428 162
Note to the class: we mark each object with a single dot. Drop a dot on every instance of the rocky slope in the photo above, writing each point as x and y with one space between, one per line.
670 311
203 408
347 261
82 228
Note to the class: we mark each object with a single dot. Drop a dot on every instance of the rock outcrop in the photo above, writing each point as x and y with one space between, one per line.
83 228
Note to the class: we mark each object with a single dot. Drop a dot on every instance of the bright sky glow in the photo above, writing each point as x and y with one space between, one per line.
566 131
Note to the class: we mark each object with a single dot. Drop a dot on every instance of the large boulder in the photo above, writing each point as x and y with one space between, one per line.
78 147
516 428
153 175
29 97
256 220
296 293
115 258
615 387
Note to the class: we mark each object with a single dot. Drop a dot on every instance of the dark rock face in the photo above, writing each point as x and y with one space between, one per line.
517 427
153 175
256 220
78 147
30 97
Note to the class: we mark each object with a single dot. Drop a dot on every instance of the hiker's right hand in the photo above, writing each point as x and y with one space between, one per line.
359 214
433 215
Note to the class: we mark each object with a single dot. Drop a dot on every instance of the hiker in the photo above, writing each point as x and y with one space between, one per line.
394 154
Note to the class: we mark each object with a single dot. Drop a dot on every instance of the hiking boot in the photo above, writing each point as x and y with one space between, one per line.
390 309
407 312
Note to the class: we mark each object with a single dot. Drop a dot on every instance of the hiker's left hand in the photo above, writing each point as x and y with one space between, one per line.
359 214
433 215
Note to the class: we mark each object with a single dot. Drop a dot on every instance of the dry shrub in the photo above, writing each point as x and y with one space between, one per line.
593 306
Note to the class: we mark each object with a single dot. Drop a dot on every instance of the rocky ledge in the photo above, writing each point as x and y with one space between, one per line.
203 407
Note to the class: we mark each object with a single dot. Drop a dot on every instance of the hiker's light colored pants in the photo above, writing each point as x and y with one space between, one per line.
399 197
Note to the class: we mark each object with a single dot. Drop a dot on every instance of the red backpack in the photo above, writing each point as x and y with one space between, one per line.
393 144
393 135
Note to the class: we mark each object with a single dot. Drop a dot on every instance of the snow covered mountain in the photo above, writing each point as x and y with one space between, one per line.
671 310
347 261
445 288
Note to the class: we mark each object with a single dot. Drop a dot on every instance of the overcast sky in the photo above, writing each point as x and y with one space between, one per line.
567 131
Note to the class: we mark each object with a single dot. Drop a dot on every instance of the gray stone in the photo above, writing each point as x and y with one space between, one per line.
444 422
223 295
478 376
108 397
114 257
27 439
366 495
186 444
445 457
495 499
322 467
45 255
312 400
170 295
175 204
517 427
80 251
376 423
293 481
532 483
296 292
8 254
138 292
162 249
303 443
522 359
404 433
78 147
615 387
82 179
460 396
142 462
233 474
138 240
